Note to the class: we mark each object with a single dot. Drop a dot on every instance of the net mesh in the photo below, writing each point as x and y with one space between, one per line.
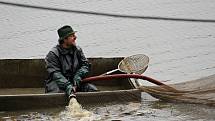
134 64
201 91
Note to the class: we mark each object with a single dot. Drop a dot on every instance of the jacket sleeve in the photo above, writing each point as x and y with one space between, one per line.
53 68
84 65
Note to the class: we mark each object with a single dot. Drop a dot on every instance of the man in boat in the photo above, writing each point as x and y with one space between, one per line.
67 65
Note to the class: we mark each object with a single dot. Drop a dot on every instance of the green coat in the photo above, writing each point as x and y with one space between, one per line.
63 65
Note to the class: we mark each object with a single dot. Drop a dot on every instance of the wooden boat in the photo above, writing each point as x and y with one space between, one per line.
22 85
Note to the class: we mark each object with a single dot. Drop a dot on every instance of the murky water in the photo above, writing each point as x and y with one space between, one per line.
178 51
148 109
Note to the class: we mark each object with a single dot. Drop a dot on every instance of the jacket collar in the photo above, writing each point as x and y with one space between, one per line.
65 51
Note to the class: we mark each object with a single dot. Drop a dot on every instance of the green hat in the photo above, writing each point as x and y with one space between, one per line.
64 32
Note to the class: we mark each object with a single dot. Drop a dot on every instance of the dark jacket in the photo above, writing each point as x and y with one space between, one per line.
63 64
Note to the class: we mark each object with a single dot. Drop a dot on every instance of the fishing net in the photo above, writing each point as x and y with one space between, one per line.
200 91
134 64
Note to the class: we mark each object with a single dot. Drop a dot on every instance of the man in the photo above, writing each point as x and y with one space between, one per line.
67 65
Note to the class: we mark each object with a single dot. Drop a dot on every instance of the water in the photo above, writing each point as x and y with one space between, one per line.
178 51
146 110
76 110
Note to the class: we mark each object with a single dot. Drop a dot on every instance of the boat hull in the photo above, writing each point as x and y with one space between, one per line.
22 85
54 100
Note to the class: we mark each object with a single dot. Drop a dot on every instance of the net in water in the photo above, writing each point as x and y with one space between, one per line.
200 91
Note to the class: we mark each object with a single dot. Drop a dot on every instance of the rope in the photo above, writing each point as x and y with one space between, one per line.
108 14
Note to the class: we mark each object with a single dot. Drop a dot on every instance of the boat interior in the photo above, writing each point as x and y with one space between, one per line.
26 76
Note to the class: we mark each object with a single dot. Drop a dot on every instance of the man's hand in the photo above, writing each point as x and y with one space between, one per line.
77 80
74 88
71 92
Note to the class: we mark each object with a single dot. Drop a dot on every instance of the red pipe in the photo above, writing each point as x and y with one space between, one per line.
113 76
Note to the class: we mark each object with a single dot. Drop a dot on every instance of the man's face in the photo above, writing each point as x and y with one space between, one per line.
71 40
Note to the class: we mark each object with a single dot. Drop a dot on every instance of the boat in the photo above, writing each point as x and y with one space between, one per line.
22 85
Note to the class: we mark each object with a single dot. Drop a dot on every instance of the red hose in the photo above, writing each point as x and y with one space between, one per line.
113 76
